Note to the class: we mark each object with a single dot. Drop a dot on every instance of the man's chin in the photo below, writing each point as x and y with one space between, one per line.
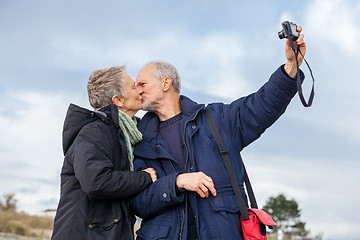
148 107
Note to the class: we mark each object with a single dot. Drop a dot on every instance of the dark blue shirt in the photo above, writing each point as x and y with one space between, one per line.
170 131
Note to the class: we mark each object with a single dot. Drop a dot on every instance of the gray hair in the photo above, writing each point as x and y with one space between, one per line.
167 70
104 84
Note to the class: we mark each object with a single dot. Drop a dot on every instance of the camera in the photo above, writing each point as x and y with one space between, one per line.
289 29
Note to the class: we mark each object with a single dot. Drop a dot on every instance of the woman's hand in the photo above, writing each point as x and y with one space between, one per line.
152 173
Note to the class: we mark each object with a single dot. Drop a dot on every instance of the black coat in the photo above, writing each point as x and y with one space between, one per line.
96 183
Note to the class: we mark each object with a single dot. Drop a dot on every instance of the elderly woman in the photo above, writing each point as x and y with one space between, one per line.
96 181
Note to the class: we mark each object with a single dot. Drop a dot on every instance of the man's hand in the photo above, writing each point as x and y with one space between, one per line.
290 66
196 182
152 173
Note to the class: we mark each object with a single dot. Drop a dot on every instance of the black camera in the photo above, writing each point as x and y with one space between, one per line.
289 29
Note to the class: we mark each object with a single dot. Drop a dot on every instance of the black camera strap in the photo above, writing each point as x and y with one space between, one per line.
298 80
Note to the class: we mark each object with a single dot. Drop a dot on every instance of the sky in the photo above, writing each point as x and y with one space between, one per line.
223 50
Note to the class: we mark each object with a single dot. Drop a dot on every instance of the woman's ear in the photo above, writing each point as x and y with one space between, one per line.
117 101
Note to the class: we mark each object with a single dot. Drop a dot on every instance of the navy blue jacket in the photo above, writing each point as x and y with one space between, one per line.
162 206
96 183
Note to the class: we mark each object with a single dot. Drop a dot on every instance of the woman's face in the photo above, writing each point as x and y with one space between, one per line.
132 99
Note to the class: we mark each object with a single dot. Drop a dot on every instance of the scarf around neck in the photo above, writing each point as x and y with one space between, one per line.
131 133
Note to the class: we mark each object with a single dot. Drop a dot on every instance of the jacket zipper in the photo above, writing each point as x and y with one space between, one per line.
183 222
183 210
187 158
187 149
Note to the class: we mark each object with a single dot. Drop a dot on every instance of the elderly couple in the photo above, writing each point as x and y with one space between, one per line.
165 168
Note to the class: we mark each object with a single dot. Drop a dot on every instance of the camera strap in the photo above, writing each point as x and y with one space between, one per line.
298 80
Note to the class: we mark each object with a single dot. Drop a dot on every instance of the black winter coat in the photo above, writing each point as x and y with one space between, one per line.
96 183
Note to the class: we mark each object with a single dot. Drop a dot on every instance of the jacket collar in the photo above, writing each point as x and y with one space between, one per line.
149 125
153 145
188 107
109 113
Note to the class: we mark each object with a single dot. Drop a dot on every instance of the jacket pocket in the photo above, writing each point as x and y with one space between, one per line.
102 224
108 219
224 203
153 231
223 222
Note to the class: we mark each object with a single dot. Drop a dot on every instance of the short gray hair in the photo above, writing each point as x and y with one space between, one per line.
167 70
104 84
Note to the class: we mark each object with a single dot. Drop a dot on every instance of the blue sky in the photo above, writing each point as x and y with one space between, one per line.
223 50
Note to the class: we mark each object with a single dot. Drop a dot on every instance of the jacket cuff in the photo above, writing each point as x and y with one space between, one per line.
302 75
178 190
148 178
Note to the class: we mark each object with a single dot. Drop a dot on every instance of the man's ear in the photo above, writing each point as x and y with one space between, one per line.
167 83
117 101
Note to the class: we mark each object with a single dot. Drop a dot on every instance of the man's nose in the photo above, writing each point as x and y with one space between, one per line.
139 89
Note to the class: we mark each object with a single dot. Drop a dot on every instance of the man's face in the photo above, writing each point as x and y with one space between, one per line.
149 87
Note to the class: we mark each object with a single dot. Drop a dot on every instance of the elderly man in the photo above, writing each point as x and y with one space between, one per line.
193 197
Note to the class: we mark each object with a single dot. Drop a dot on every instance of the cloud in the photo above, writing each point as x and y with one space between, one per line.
31 131
210 63
335 21
315 185
31 155
218 56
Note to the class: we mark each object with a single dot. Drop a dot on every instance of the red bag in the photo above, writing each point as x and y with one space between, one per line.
255 227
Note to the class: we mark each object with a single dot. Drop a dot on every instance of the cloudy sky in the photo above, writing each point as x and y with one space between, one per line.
223 50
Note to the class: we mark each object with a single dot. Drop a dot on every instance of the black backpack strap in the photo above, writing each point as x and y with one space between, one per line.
224 154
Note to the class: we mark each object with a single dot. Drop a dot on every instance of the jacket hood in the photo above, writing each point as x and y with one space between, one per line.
77 117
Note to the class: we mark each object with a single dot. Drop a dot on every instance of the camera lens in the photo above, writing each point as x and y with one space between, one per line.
281 34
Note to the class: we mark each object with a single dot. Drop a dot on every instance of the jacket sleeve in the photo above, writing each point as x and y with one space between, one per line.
94 169
248 117
160 196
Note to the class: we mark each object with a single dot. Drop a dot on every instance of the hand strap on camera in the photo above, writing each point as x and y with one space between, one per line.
298 81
